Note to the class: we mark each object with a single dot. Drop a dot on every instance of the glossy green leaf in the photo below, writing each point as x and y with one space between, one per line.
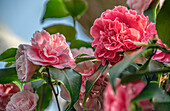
150 91
76 7
8 55
163 23
92 80
81 59
8 72
151 11
138 75
45 96
80 43
70 79
68 31
55 9
117 69
8 75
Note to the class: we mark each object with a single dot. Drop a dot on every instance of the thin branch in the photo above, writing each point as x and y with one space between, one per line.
55 94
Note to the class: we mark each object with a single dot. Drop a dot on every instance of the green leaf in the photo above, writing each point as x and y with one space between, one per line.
55 9
80 43
37 84
150 91
138 75
163 23
5 80
76 7
8 72
45 96
92 80
117 69
151 11
81 59
70 79
162 106
8 55
68 31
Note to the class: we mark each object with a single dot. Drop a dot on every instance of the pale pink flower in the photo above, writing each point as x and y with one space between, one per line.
161 56
25 68
124 94
51 50
82 50
115 32
86 69
28 86
6 92
22 101
139 5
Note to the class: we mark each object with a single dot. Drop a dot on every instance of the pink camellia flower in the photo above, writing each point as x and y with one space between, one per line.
115 32
82 50
22 101
86 69
146 105
124 94
51 50
28 86
139 5
6 91
25 68
161 56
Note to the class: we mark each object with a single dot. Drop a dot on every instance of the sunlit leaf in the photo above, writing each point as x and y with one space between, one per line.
70 79
163 23
55 9
68 31
81 59
76 7
8 55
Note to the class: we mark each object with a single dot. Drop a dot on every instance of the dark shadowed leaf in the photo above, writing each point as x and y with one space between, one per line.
163 23
76 7
92 80
117 69
70 79
152 90
55 9
37 84
45 96
138 75
8 55
68 31
162 106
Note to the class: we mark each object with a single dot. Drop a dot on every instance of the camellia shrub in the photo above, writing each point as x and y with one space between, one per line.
125 68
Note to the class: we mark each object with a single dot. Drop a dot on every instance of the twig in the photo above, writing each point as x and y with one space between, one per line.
55 94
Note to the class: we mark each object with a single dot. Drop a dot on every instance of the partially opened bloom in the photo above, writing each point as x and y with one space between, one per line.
120 100
86 69
115 32
25 68
161 56
22 101
139 5
51 50
6 91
